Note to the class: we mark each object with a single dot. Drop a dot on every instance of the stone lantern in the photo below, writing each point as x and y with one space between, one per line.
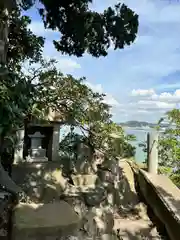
36 151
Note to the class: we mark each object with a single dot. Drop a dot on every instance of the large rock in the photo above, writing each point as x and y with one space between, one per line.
48 221
42 182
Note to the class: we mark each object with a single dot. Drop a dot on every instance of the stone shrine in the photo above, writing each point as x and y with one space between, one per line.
39 141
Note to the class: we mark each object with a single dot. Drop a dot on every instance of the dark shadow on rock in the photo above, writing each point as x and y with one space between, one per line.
142 233
40 181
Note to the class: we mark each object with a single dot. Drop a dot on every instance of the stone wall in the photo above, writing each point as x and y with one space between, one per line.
163 197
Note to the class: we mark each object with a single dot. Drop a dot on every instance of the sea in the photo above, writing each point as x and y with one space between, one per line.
141 137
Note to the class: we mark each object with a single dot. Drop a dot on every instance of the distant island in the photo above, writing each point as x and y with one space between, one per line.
141 124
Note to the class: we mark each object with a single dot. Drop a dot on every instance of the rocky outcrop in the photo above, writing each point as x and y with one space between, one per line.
101 205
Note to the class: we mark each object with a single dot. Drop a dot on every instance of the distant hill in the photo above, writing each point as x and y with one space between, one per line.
140 124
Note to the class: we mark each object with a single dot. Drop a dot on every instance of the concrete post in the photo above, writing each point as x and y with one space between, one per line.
55 142
152 152
18 154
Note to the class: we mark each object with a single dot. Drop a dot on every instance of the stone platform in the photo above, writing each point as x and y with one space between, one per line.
44 221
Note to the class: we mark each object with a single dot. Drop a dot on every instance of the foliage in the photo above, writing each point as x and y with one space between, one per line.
79 106
16 89
143 145
83 30
69 145
23 45
169 146
25 95
169 142
110 139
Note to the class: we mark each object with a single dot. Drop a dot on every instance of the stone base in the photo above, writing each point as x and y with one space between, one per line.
38 153
84 179
37 159
44 222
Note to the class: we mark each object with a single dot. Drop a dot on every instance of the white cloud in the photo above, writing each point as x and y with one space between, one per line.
95 87
142 92
147 104
66 64
150 94
168 97
108 99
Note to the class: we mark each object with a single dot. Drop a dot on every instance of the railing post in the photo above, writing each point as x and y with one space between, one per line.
18 153
152 152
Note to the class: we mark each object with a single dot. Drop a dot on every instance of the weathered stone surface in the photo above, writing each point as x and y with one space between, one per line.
95 196
87 161
125 192
105 223
42 182
49 220
109 237
135 229
164 199
90 226
84 179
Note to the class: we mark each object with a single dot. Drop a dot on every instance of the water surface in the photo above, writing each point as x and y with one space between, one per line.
141 137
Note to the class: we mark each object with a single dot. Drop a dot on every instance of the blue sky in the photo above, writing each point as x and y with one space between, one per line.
142 81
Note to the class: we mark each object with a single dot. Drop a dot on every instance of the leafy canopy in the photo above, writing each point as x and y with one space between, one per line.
78 106
15 88
22 98
169 147
23 45
84 30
